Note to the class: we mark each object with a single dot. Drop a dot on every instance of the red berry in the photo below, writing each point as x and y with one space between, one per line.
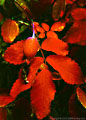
31 47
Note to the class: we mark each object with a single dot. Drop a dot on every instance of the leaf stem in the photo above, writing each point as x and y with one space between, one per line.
43 55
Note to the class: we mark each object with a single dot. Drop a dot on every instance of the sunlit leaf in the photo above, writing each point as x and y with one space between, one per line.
76 33
2 2
9 30
3 114
58 26
36 23
68 69
40 29
45 26
41 35
81 96
42 94
14 54
79 13
43 66
55 45
51 34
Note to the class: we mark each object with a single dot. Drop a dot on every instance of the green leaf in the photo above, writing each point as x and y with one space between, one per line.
23 28
2 2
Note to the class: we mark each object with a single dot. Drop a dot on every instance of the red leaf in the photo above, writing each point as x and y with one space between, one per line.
76 33
43 66
36 23
19 85
9 30
14 53
79 13
3 114
41 35
5 99
35 65
58 9
69 1
81 96
40 29
58 26
55 45
51 34
45 26
42 94
68 69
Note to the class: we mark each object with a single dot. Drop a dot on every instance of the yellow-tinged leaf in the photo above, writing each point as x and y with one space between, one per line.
81 96
9 30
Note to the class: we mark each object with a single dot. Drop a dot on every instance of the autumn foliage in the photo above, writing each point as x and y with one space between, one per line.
42 57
